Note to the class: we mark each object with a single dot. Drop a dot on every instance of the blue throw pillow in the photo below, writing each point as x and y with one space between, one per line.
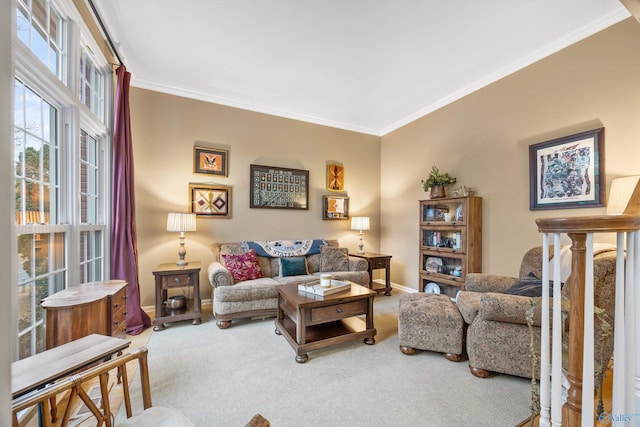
293 266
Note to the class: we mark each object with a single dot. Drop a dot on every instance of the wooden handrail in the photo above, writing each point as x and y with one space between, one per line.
577 229
73 385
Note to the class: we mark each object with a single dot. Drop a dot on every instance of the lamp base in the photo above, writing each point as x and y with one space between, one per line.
182 263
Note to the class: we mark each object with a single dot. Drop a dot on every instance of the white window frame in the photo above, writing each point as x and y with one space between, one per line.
73 116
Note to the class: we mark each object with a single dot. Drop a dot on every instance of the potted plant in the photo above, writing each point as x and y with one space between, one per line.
437 181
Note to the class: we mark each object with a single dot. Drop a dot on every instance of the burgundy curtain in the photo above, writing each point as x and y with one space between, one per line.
124 241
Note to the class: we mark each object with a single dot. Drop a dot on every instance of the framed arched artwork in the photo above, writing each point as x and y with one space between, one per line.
335 177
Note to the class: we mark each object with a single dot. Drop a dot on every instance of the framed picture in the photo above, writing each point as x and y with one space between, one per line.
335 177
278 188
210 161
567 172
213 201
335 207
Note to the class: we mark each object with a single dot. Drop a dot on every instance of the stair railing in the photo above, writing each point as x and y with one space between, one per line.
579 408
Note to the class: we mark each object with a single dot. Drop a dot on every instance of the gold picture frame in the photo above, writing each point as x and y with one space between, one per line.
210 201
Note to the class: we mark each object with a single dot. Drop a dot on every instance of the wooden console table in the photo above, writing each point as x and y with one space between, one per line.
90 308
43 368
378 261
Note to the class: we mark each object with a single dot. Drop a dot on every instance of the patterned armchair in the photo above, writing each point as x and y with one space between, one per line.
498 336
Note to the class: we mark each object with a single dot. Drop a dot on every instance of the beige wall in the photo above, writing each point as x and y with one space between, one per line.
483 140
165 129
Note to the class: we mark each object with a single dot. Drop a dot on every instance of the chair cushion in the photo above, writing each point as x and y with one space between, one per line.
293 266
334 259
243 266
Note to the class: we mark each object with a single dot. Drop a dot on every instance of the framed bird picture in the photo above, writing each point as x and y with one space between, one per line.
211 161
335 177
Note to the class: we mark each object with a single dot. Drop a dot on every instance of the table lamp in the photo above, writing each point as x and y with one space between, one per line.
624 197
181 222
360 223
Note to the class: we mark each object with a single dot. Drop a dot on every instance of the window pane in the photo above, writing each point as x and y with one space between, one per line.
22 24
39 26
41 273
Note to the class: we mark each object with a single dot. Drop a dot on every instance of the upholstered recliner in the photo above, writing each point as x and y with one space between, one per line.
498 337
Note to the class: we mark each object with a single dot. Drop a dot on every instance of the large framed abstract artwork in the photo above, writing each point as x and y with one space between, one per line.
278 188
567 172
212 201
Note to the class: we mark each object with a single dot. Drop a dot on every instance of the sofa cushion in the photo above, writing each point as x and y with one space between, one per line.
293 266
243 266
334 259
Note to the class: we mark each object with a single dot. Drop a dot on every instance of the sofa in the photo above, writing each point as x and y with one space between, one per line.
244 275
498 336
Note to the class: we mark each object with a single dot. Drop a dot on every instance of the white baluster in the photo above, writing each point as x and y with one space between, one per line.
634 263
630 328
556 347
545 403
619 373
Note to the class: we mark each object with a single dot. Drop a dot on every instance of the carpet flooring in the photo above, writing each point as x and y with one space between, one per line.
223 377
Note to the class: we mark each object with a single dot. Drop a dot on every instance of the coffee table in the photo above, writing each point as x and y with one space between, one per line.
313 322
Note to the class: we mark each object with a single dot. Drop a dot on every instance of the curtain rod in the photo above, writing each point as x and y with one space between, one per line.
106 33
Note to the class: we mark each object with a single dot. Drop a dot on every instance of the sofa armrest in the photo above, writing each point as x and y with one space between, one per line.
358 264
219 275
508 308
480 282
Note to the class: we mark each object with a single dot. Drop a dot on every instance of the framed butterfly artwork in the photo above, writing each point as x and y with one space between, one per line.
210 161
335 177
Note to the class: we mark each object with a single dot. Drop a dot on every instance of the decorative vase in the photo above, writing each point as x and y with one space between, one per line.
437 192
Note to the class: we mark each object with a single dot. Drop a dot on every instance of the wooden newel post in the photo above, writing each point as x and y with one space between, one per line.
572 409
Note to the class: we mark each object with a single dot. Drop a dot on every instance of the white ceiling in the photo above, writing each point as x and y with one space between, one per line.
364 65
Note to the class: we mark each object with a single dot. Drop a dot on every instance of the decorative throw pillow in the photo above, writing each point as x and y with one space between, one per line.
334 259
293 266
243 266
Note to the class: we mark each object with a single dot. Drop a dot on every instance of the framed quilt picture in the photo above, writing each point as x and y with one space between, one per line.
567 172
335 207
278 188
212 201
210 161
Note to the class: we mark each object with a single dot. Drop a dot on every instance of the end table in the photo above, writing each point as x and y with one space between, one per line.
169 276
378 261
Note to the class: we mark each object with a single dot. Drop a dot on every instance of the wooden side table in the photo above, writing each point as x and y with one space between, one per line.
169 276
378 261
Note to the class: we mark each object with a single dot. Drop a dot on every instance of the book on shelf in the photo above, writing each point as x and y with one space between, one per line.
316 289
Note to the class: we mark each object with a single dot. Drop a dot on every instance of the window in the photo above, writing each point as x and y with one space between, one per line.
91 224
91 86
39 26
60 157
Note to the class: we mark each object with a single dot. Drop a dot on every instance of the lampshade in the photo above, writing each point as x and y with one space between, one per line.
181 222
360 223
624 197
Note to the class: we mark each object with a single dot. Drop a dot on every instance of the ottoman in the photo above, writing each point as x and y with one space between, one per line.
430 322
